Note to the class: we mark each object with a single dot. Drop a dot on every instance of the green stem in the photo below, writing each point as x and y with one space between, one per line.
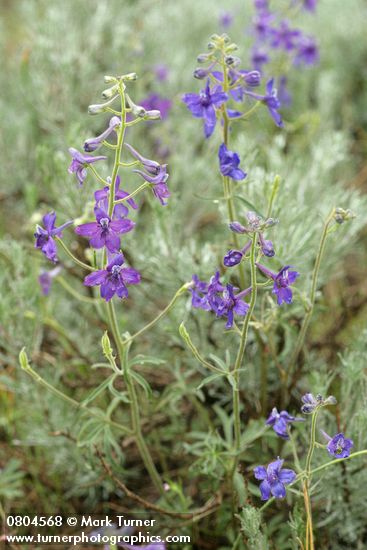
134 405
71 255
241 352
307 317
227 185
164 312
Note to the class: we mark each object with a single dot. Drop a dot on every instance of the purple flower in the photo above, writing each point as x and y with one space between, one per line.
228 304
104 231
262 25
274 478
234 257
203 106
282 282
279 422
154 102
199 294
44 237
309 5
226 19
229 163
113 279
121 210
261 4
307 52
45 279
310 402
339 446
161 72
259 58
284 37
270 99
79 164
93 143
155 173
267 247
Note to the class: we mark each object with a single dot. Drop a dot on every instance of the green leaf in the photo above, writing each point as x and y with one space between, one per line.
209 379
97 391
250 206
146 359
142 382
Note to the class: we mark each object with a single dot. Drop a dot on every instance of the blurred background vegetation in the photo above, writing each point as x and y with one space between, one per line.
55 55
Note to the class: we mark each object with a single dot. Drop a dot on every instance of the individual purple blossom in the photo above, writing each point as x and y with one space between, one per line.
279 422
273 479
80 162
262 25
120 210
45 279
203 105
307 52
155 102
113 279
105 231
285 37
155 173
226 19
161 72
92 144
234 257
309 5
282 281
266 246
270 99
229 304
229 162
45 236
339 446
261 4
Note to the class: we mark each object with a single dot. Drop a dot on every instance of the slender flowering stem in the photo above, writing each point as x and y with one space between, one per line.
164 312
134 406
76 294
241 352
227 186
71 255
307 483
307 317
133 398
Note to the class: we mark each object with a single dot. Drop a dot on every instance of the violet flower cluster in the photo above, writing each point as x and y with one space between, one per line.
111 213
274 35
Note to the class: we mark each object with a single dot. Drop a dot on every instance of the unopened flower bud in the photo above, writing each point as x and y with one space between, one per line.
137 110
201 73
211 46
152 115
101 108
110 79
232 61
233 257
203 58
129 77
107 94
237 227
231 48
225 38
331 400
